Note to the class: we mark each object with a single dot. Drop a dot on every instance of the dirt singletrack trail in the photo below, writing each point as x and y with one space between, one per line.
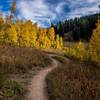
37 88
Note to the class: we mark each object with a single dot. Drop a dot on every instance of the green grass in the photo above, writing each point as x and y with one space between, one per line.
13 90
74 80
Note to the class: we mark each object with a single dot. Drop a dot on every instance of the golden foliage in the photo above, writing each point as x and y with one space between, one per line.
28 34
78 51
59 42
94 49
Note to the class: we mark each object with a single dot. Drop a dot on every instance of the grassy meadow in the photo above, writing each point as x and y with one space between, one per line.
74 80
17 66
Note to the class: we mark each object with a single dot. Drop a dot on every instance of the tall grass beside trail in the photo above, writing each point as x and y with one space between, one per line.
15 59
83 52
74 81
14 62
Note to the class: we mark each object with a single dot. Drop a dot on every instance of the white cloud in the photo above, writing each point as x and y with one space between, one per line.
35 10
59 8
81 7
93 1
39 11
83 11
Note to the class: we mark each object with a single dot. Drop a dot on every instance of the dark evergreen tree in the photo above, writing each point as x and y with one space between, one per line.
78 28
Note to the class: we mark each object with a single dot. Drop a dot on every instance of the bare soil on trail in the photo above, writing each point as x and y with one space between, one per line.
37 87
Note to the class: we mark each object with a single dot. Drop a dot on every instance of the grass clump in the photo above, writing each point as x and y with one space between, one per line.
13 90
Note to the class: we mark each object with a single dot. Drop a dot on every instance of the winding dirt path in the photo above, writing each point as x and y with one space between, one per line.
37 88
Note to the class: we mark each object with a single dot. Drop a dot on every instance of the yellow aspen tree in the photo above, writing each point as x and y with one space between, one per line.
58 46
61 42
33 35
1 22
19 29
51 36
25 38
40 38
47 42
1 36
1 28
12 35
95 44
80 51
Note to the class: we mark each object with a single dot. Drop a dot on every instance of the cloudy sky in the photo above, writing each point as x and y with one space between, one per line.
42 11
